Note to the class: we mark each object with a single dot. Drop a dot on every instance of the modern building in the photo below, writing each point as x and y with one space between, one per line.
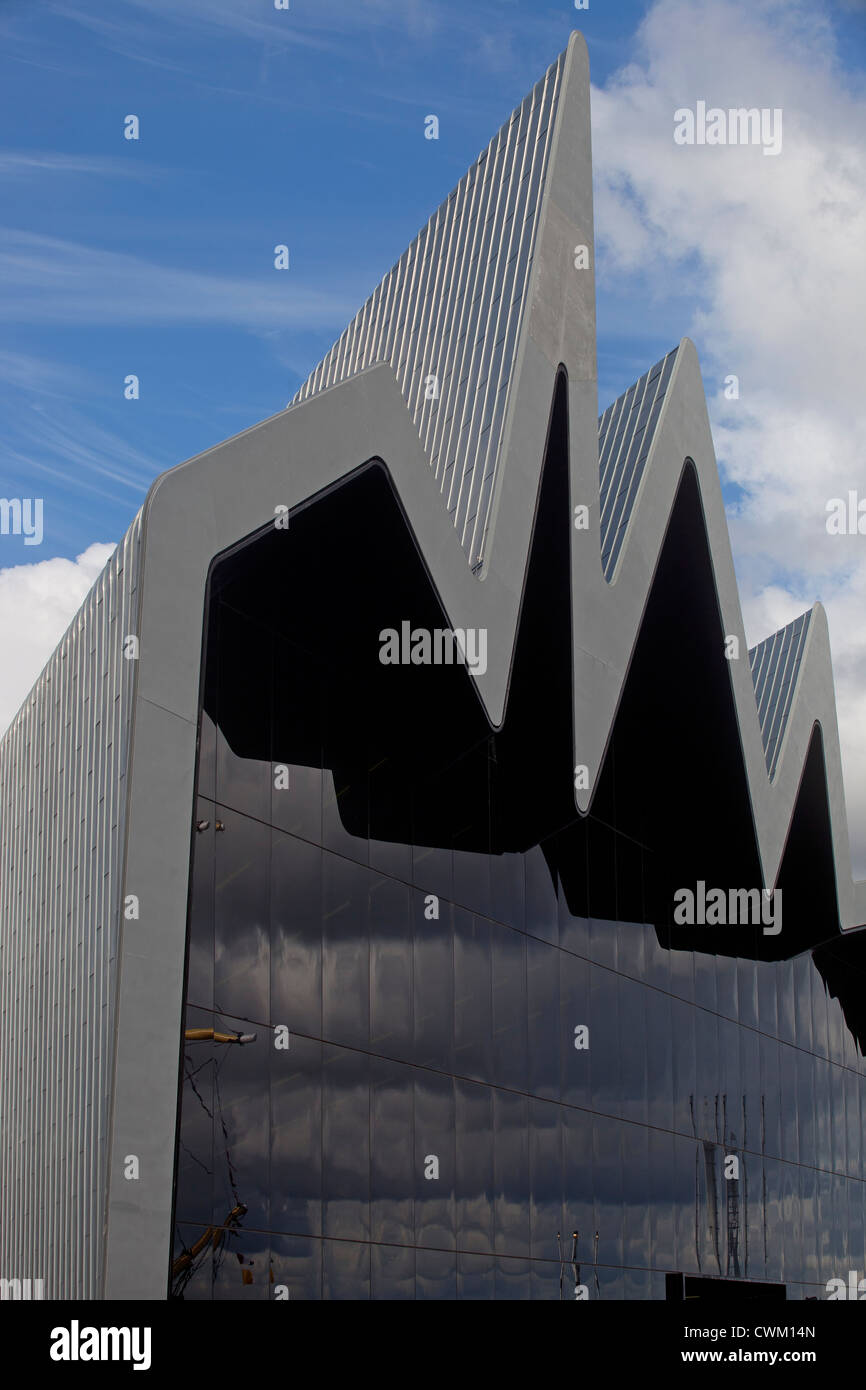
411 885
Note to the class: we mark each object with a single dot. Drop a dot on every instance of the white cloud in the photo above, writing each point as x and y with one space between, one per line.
780 299
37 604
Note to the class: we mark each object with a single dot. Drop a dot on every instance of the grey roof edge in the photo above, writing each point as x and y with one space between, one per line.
558 324
607 619
233 490
683 432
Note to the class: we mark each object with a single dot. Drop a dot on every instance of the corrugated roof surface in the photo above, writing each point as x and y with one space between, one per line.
625 433
775 664
451 309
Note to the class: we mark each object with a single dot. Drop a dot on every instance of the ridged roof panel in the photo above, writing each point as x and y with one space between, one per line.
451 310
775 664
625 434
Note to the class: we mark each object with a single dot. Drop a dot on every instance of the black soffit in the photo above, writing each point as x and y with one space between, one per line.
675 734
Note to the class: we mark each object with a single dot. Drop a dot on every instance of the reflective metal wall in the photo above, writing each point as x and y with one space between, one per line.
62 794
472 1070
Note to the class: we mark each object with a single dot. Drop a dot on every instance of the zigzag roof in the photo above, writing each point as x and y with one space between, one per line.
489 300
494 301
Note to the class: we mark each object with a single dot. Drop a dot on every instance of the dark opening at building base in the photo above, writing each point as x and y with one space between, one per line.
680 1288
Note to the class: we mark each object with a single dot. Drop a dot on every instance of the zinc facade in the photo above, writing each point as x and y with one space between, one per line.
63 789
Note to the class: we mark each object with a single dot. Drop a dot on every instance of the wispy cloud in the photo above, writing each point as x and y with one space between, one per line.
50 437
88 455
135 37
149 31
26 163
40 376
302 23
48 280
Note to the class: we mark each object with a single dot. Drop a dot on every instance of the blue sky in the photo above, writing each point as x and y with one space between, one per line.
258 127
155 256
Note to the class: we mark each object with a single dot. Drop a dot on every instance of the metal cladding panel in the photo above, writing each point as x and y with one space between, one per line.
775 664
451 309
625 434
63 765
